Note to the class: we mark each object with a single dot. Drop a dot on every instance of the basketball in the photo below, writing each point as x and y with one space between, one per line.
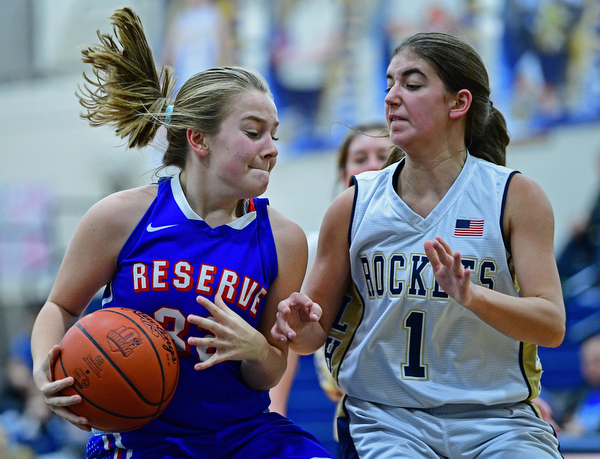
125 368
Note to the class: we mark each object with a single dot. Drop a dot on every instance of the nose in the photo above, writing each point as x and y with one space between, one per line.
374 164
269 153
392 97
271 150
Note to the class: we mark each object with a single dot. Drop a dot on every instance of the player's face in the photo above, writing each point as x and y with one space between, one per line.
243 152
416 106
591 362
366 153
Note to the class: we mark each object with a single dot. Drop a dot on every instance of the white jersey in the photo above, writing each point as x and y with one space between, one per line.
398 338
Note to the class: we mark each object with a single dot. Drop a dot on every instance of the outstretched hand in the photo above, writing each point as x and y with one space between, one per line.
228 333
449 271
293 315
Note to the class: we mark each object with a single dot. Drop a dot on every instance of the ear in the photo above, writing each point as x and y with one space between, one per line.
460 103
197 141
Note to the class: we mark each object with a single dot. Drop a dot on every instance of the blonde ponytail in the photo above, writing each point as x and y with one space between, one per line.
126 90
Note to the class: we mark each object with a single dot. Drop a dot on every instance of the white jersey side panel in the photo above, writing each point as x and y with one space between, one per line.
412 345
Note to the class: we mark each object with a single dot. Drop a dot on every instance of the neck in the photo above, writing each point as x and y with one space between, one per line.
431 173
209 207
423 184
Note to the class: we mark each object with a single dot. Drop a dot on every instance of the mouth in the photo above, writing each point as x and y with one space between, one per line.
264 166
393 118
266 169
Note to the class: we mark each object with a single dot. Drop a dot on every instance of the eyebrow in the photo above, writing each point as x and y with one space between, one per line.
258 119
406 73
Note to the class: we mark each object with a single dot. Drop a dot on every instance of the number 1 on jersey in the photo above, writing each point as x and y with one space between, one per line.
414 368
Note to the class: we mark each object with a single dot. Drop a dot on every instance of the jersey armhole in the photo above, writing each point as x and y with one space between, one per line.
503 208
266 239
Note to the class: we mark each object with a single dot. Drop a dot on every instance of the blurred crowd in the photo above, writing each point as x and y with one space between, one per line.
575 400
28 428
325 59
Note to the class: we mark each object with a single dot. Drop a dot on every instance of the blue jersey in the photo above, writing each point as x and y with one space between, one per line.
173 256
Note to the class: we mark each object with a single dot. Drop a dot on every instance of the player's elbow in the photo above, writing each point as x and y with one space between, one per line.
555 336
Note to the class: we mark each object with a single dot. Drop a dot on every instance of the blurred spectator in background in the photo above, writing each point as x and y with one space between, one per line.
25 419
9 450
583 248
583 414
18 366
199 37
579 268
536 49
406 17
307 43
573 396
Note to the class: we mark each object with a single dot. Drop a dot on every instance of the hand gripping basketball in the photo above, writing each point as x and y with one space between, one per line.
125 368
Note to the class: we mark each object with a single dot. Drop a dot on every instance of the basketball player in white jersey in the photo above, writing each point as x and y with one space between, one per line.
444 267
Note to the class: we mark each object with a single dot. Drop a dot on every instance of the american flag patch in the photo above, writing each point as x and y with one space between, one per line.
472 228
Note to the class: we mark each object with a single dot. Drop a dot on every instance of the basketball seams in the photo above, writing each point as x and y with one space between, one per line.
116 367
74 387
134 384
156 353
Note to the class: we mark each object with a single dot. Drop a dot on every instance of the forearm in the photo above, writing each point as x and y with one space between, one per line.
50 326
281 392
264 371
534 320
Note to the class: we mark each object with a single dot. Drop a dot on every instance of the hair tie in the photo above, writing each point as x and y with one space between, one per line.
491 104
168 111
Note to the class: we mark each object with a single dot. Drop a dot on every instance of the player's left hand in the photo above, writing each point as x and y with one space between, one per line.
449 271
294 314
229 334
51 391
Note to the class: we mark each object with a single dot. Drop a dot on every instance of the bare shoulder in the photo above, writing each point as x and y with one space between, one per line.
523 183
528 210
525 195
131 200
284 227
343 203
121 211
90 260
339 212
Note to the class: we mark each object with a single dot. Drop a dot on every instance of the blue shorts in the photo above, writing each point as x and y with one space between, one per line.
267 436
346 449
512 431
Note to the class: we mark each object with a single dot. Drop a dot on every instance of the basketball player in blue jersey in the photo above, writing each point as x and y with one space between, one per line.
435 279
195 251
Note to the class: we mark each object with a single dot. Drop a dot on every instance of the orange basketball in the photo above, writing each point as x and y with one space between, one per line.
125 368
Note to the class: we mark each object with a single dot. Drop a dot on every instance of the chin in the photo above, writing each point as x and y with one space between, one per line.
260 189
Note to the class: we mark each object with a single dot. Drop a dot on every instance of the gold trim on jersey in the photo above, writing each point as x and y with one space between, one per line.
532 368
347 320
530 363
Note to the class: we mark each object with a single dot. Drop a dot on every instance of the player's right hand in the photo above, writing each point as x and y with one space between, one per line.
50 390
294 314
